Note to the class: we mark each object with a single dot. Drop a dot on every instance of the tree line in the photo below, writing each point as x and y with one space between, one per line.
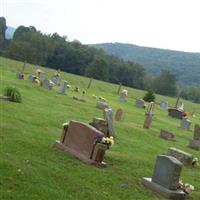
57 52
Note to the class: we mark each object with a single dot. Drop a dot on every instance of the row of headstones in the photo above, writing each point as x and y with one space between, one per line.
49 84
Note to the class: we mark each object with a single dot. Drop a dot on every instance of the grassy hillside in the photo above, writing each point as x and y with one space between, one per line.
30 168
184 65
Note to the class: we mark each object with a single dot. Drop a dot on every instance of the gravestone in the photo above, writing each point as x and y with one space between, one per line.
167 135
20 75
79 139
47 84
118 114
182 156
101 125
31 77
185 123
109 118
195 143
42 76
79 99
164 105
148 115
101 105
140 103
166 177
123 95
173 112
56 79
63 87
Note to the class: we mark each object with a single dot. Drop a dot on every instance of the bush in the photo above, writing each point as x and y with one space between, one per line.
13 94
149 96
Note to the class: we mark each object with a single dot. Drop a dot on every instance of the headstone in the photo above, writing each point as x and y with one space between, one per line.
167 135
166 177
42 76
123 95
140 103
56 79
79 139
195 143
101 105
182 156
148 115
164 105
63 87
109 118
101 125
118 114
173 112
31 77
79 99
47 84
20 75
185 123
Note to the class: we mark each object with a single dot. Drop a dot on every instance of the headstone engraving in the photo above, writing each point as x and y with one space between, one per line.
118 114
79 139
166 177
182 156
195 143
185 123
167 135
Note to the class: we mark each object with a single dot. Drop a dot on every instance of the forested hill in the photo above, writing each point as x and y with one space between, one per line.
186 66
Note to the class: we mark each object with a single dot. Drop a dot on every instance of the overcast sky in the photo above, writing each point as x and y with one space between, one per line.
168 24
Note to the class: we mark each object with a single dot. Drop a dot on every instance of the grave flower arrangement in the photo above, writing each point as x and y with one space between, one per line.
186 187
109 141
125 92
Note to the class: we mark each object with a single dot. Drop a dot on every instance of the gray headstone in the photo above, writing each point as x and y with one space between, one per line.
123 97
63 87
47 84
182 156
56 79
195 143
167 172
109 118
101 105
140 103
42 76
164 105
31 77
185 123
173 112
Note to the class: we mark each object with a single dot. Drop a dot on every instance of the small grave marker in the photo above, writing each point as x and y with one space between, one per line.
140 103
167 135
185 123
195 143
118 114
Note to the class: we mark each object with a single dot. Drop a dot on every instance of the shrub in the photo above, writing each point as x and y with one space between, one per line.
149 96
13 94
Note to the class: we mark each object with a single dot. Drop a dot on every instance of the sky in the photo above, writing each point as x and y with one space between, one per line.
167 24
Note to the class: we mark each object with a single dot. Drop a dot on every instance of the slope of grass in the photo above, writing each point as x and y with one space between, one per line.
30 168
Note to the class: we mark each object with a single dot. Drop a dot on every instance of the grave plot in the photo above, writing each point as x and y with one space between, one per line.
84 142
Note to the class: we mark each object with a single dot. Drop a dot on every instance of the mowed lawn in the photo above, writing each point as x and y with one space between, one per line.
32 169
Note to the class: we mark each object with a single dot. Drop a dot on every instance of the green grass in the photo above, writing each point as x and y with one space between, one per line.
30 168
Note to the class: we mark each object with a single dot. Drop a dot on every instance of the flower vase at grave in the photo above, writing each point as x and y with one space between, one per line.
99 152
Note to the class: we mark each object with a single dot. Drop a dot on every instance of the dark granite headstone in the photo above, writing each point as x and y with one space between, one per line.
175 113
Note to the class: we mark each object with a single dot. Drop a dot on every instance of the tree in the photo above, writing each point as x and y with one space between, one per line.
149 96
3 28
97 69
165 83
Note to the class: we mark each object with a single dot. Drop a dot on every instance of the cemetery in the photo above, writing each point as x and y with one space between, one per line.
113 145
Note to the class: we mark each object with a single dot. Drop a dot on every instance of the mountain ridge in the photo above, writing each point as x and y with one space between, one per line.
185 65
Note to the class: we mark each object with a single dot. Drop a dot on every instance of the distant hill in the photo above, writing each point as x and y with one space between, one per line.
186 66
9 32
